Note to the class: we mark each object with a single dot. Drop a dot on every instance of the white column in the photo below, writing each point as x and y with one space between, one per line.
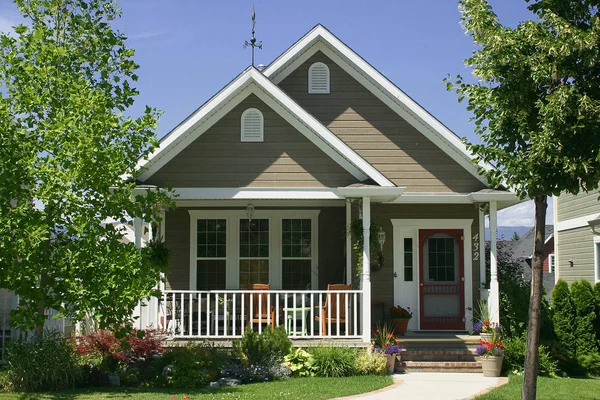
366 269
482 277
494 296
348 243
137 227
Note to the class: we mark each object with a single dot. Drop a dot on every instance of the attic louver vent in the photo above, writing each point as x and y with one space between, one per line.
252 125
318 78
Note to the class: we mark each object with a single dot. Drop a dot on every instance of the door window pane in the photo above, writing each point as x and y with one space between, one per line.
408 259
254 251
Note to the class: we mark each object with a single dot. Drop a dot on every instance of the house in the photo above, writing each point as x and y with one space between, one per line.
577 236
272 170
521 250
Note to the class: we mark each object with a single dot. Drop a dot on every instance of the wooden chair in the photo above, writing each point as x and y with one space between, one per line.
255 315
329 310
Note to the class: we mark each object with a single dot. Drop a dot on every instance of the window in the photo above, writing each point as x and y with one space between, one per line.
597 259
551 261
252 126
296 253
318 78
442 259
408 259
254 251
211 239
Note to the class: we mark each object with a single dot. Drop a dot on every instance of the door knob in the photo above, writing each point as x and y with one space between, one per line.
421 284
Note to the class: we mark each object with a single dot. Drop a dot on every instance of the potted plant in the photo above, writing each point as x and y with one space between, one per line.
491 354
386 344
400 317
483 325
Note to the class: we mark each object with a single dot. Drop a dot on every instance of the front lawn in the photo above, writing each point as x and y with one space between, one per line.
548 389
295 388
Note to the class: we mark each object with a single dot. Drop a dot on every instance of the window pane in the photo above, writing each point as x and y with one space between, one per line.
253 271
211 238
210 274
295 274
297 234
254 238
408 274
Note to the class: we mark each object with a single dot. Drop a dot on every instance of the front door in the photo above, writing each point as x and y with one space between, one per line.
441 273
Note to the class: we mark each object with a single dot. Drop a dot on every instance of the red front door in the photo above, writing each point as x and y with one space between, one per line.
441 277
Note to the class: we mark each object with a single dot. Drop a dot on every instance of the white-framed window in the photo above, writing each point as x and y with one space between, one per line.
252 126
318 78
551 262
597 258
279 247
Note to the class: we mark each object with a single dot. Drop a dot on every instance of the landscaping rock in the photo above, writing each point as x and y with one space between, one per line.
213 385
229 382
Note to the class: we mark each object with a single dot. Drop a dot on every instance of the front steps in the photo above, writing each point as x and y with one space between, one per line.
438 352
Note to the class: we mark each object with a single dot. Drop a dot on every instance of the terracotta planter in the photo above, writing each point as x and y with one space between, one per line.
399 325
491 365
391 363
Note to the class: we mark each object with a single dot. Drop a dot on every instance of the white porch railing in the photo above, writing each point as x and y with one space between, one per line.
226 314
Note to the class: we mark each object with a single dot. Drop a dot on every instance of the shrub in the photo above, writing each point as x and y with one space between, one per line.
256 373
266 348
597 296
514 357
564 318
192 366
301 363
39 364
370 363
334 361
590 363
585 308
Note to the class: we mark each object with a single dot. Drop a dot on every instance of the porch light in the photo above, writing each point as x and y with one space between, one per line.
250 211
381 237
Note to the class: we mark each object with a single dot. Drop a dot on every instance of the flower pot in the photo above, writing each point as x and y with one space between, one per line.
391 363
486 337
399 325
491 365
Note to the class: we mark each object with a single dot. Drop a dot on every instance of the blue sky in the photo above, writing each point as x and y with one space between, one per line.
189 49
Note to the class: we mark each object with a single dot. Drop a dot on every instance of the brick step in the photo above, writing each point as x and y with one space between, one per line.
439 366
438 355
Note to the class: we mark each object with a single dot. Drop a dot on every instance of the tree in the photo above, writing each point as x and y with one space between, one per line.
65 84
536 106
564 318
515 237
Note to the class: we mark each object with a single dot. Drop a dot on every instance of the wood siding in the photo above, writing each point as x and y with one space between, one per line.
377 133
569 206
177 238
578 245
218 158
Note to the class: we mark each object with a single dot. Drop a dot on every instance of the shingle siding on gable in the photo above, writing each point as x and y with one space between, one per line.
570 206
378 134
218 158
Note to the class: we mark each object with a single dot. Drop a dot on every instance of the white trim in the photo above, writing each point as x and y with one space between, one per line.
596 259
300 204
573 223
275 231
551 262
244 126
348 243
313 90
556 236
507 199
371 191
465 225
252 81
319 38
256 193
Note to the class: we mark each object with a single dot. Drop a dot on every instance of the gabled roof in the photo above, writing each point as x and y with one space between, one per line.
251 81
320 39
523 248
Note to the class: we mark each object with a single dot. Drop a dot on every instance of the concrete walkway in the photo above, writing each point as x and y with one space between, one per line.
434 385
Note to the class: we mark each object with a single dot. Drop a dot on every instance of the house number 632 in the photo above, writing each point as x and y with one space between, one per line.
476 247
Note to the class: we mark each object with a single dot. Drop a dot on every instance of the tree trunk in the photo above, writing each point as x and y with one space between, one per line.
535 301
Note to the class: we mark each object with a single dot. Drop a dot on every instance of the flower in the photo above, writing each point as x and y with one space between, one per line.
487 349
383 336
486 327
392 349
399 312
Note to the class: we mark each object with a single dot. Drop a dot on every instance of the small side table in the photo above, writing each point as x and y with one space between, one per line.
289 313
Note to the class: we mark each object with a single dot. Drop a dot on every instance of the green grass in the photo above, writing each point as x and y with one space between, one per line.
296 388
548 389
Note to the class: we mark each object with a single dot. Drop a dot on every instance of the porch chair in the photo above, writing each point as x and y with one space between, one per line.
262 315
331 302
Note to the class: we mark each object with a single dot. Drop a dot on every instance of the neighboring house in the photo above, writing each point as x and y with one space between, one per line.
522 251
577 236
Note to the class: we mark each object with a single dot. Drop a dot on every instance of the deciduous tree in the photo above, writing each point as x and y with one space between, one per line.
65 142
536 106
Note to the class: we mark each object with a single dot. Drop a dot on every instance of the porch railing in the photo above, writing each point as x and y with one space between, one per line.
227 314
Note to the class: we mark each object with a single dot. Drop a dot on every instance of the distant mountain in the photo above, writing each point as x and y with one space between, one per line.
506 232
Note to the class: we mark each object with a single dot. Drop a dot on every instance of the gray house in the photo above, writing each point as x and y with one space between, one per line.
274 168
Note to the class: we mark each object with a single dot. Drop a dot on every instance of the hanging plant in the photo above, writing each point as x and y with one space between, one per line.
157 253
356 231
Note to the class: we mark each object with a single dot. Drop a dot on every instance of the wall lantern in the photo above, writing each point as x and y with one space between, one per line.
381 238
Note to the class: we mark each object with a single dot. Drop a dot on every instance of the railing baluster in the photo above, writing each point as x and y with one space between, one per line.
346 314
356 314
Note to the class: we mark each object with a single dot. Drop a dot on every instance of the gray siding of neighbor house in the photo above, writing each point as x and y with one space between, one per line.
332 242
576 244
377 133
570 206
218 158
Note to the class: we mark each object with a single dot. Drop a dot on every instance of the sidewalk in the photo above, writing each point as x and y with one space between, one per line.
434 385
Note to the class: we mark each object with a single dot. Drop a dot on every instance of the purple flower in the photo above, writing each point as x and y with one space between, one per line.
393 349
478 326
481 349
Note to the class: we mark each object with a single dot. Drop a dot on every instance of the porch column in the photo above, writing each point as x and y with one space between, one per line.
494 296
366 270
482 277
137 228
348 243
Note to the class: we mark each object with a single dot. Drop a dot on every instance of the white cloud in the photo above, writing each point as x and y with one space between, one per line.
523 214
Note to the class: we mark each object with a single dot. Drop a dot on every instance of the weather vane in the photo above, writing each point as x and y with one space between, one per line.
253 43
